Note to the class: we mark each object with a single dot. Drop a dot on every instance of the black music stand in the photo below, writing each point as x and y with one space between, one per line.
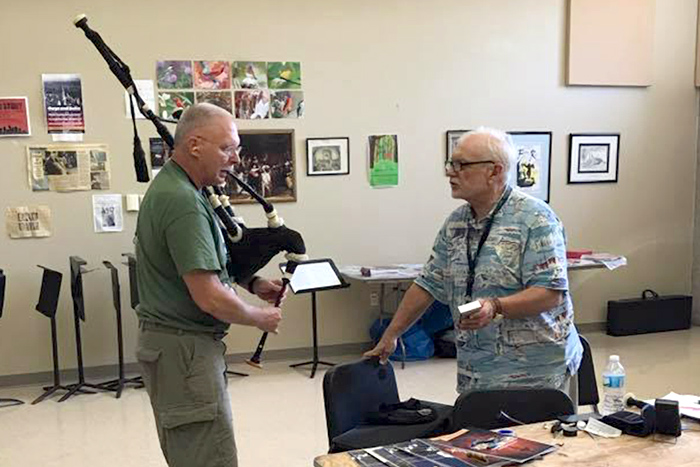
3 279
76 289
47 306
119 383
311 277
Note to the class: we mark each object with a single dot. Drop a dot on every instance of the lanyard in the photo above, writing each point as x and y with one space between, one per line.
474 260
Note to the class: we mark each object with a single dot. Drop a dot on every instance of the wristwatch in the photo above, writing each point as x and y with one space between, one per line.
498 315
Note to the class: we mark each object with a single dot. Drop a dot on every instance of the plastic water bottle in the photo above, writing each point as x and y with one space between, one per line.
613 386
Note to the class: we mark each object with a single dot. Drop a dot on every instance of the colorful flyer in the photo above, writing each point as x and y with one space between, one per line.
172 101
249 75
284 75
63 102
252 104
383 160
174 74
212 74
287 104
218 98
14 117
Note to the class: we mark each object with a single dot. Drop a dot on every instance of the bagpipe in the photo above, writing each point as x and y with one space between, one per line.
249 249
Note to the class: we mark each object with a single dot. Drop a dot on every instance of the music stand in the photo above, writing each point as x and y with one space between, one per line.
312 277
76 289
119 383
3 280
47 306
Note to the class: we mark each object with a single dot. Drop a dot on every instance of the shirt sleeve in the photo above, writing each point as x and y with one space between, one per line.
191 244
432 277
544 259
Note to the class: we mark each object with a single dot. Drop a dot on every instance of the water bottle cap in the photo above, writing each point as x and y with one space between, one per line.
614 358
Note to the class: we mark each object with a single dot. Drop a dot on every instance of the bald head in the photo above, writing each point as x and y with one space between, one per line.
490 144
196 117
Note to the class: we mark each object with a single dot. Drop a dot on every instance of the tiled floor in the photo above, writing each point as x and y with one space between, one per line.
278 412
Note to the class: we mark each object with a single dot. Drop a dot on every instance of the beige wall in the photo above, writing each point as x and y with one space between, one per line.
407 66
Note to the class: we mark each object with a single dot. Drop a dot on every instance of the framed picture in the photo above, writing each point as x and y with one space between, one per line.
531 173
267 165
451 141
327 156
593 158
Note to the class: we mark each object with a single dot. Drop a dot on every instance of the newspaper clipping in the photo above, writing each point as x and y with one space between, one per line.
64 167
63 102
107 213
28 221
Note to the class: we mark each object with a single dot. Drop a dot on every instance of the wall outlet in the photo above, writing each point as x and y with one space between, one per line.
374 299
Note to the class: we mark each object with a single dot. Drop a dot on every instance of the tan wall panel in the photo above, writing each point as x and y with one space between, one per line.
611 42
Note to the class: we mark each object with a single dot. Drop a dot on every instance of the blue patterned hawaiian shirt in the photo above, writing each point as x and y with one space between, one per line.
526 247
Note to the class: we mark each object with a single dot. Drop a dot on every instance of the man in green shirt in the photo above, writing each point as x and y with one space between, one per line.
186 299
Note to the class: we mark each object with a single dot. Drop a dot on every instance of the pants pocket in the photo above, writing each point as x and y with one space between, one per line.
148 359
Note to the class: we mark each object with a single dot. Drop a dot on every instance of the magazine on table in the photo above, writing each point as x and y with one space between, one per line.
487 445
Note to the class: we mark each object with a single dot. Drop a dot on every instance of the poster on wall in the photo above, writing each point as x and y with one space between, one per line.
28 221
287 104
267 165
14 117
159 154
219 98
531 172
383 160
284 75
249 75
252 104
107 213
210 74
63 103
64 167
174 74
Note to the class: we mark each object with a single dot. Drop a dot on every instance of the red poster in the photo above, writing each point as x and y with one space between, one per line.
14 117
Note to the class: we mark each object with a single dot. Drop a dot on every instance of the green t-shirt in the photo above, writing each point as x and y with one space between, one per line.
177 233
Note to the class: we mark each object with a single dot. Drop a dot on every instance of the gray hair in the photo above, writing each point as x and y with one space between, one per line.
195 117
499 145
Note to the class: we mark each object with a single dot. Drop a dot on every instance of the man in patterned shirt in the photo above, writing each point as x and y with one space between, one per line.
507 250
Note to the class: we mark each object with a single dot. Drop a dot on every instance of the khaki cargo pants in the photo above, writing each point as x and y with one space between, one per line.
185 379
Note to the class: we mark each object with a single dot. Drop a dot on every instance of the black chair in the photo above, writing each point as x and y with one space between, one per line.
587 385
498 408
352 391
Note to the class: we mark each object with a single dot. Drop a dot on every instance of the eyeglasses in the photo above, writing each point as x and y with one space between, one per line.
229 150
456 166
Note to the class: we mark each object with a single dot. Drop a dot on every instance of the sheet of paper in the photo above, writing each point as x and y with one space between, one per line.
107 213
146 90
313 276
28 221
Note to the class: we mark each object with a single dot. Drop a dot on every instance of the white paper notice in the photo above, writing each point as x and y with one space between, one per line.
146 91
313 276
107 213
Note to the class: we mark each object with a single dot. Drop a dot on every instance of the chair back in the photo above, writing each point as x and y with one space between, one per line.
352 390
587 384
490 409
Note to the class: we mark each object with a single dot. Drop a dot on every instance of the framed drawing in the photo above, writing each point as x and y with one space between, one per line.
267 165
531 173
327 156
593 157
451 141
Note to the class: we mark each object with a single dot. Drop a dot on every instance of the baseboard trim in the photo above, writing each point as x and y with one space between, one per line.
97 374
591 327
